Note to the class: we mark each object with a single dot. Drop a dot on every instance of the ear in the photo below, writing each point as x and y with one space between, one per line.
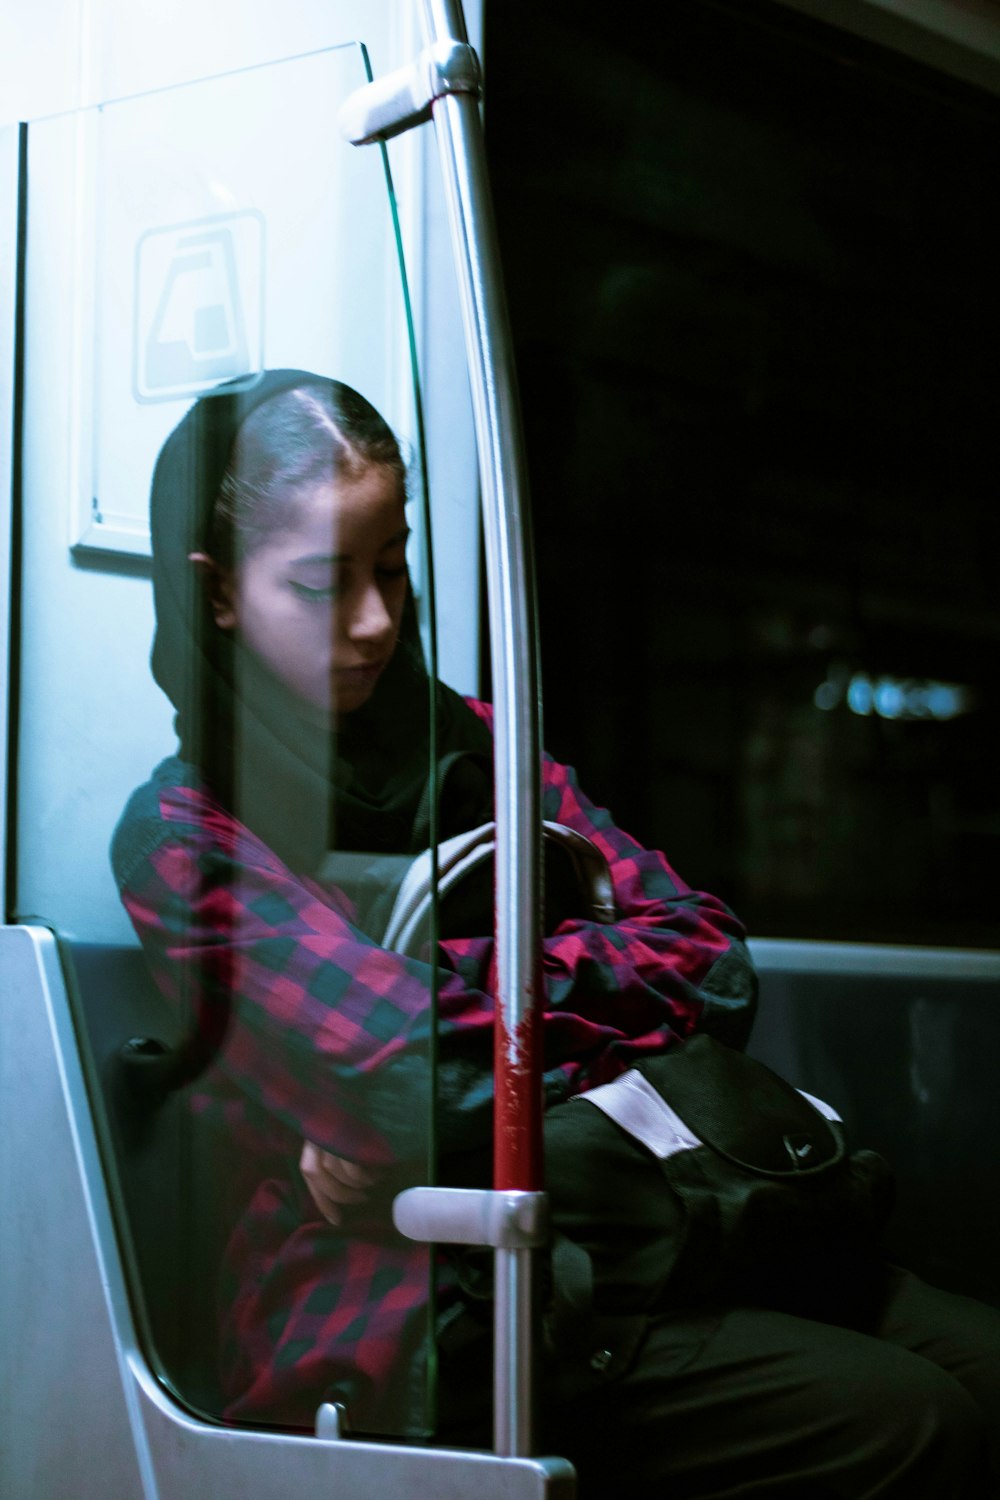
218 584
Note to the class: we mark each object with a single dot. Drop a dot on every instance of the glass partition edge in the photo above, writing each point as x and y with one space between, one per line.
12 158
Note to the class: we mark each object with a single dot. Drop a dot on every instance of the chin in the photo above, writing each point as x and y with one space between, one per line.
346 702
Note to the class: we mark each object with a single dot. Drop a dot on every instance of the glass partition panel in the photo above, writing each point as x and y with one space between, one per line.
222 454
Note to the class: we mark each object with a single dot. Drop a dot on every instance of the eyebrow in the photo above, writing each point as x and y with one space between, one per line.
400 537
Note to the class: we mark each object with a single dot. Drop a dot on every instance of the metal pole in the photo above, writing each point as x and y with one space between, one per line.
517 1114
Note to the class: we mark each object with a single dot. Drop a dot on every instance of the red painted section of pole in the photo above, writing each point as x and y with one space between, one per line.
517 1110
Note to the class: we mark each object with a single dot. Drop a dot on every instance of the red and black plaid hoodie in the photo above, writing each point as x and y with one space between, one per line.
329 1043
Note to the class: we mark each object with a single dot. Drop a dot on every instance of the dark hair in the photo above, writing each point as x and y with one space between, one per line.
305 435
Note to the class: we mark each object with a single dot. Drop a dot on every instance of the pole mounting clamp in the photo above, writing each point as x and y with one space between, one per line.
473 1216
405 97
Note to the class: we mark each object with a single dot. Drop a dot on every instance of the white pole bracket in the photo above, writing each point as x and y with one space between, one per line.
473 1216
405 97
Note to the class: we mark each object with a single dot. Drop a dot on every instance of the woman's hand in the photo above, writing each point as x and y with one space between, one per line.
333 1182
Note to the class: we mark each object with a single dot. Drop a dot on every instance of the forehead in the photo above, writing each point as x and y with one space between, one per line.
348 514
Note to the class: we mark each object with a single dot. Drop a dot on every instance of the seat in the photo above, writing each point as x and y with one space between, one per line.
165 1169
905 1060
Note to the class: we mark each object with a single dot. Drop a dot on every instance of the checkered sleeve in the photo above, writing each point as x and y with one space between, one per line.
674 961
329 1033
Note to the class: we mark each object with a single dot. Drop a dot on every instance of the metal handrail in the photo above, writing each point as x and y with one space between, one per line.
512 628
443 85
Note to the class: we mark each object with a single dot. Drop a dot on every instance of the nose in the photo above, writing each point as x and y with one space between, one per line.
369 620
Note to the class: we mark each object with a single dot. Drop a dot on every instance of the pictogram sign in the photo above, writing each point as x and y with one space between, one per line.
198 306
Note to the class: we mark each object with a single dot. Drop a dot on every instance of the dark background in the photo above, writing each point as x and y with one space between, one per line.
752 267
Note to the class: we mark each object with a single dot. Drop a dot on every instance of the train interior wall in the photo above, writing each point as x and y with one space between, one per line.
91 722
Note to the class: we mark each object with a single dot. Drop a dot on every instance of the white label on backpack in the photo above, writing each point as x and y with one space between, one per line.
634 1104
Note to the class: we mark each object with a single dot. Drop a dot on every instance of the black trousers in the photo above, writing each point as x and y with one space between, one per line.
750 1402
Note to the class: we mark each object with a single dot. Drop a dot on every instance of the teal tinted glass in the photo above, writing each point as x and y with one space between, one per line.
184 246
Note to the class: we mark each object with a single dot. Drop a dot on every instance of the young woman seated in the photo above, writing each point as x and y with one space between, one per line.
286 638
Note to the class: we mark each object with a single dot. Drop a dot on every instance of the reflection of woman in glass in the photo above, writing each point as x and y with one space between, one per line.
286 638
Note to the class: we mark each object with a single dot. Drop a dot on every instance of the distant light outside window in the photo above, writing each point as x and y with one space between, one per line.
894 697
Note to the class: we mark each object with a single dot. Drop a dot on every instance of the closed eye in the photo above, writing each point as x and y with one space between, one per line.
313 595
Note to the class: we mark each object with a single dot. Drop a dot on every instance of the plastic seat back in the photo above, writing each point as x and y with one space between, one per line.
164 1168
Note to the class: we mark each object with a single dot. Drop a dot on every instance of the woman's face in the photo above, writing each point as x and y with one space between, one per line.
321 600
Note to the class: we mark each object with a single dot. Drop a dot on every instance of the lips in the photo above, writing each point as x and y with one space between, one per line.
366 672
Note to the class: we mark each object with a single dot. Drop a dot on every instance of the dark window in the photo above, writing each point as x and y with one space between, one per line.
752 265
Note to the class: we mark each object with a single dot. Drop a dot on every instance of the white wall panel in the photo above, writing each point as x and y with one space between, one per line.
39 58
92 721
